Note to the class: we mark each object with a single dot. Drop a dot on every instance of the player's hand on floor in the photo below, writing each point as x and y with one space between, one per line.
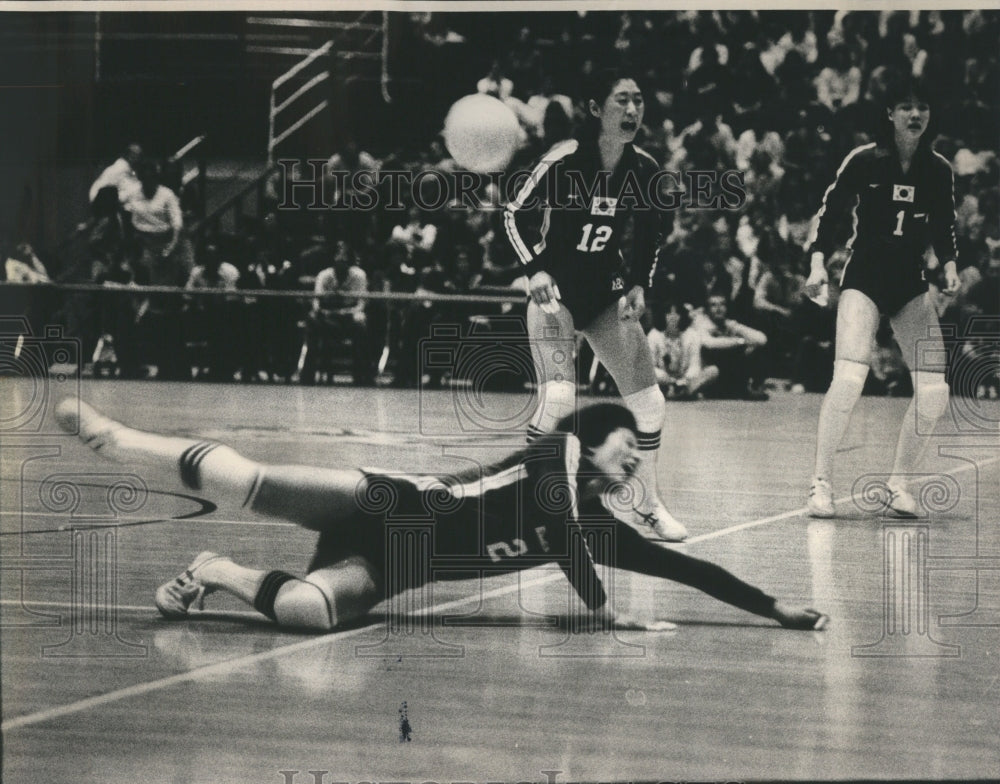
626 622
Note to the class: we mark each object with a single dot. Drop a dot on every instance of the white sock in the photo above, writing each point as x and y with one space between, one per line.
226 476
835 414
929 402
649 409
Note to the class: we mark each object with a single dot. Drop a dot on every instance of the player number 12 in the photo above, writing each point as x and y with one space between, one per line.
600 239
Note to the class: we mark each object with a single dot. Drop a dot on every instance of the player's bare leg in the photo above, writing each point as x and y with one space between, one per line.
312 497
622 348
323 600
919 337
857 322
552 337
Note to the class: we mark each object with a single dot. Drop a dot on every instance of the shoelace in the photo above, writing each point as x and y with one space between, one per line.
649 518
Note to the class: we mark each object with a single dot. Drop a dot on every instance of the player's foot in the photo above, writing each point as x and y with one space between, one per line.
666 526
175 597
806 619
93 428
820 503
901 503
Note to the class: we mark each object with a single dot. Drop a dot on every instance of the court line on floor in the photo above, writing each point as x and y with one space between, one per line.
125 608
799 512
243 661
111 523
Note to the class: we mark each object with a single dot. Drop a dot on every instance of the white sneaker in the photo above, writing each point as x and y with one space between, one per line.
657 517
901 503
666 526
174 598
820 503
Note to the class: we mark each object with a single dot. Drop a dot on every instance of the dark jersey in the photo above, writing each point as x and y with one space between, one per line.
570 217
516 514
894 215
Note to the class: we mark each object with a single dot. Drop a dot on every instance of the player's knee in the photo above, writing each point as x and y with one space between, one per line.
930 395
556 401
303 605
847 384
558 394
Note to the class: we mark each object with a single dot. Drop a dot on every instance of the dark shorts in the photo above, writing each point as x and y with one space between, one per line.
365 532
587 296
890 285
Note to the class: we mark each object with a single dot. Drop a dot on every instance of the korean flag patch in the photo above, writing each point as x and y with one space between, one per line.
603 206
903 193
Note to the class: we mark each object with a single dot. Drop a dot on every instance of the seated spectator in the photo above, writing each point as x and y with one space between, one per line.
415 236
815 326
776 297
120 175
733 348
23 266
334 320
839 83
495 83
212 321
676 351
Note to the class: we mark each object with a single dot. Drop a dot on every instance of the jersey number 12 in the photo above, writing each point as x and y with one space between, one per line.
595 244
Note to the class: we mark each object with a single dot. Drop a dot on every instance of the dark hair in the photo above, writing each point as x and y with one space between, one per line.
900 88
593 424
598 87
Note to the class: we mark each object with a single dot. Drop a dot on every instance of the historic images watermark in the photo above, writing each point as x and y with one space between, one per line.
971 361
313 185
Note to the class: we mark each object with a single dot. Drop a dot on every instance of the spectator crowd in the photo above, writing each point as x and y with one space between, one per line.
779 97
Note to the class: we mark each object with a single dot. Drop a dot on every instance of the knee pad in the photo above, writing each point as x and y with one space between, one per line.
930 395
303 604
556 400
848 381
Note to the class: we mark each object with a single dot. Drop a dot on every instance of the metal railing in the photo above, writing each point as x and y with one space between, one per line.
197 174
277 108
373 46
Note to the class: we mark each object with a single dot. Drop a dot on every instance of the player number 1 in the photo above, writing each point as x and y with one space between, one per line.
899 223
601 237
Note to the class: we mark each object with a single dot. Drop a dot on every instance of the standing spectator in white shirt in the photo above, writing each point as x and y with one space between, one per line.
156 216
120 175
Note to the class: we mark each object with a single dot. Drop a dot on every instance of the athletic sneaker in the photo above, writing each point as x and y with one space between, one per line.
820 503
901 503
175 597
666 526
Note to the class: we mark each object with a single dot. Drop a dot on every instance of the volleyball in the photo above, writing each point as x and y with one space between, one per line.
481 133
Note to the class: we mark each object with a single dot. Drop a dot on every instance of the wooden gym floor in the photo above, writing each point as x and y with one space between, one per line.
904 684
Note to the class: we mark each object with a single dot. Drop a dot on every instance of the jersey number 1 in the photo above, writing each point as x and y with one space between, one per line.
600 238
899 223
